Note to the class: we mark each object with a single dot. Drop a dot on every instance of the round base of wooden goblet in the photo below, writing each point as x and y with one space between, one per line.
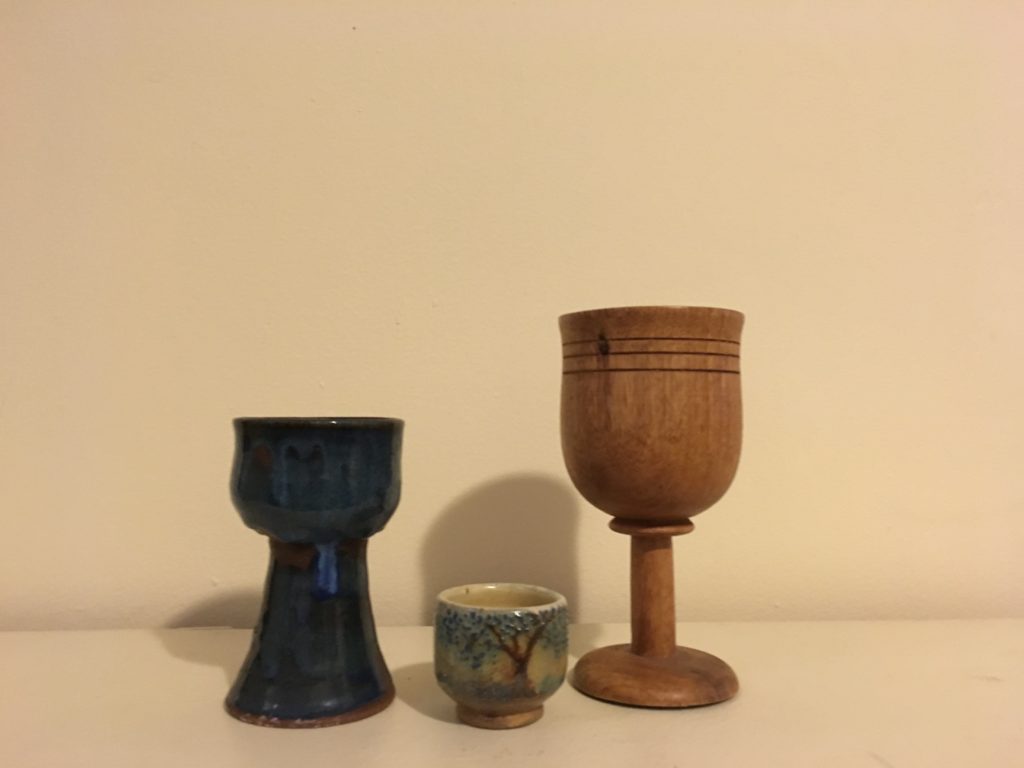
687 678
498 722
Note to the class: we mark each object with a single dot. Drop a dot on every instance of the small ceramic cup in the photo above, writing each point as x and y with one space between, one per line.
500 650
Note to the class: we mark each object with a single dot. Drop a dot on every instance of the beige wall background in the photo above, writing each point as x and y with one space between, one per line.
213 209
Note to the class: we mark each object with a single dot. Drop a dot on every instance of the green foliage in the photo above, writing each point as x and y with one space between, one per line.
479 637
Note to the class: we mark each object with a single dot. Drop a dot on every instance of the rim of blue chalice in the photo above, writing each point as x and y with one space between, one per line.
319 421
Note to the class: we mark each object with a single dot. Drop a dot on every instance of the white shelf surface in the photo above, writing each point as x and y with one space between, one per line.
873 694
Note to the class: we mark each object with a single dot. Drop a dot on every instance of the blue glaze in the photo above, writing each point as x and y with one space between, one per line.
317 480
326 572
319 488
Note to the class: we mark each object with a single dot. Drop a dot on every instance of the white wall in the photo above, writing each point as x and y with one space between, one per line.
212 209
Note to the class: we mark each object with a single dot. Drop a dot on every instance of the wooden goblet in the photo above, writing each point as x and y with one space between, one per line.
651 429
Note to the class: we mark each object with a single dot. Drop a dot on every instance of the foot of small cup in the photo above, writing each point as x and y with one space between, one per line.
686 678
498 722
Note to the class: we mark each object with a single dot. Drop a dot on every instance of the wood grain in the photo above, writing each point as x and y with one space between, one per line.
651 431
651 436
686 678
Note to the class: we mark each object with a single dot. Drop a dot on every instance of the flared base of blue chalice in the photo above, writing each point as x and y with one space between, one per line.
314 659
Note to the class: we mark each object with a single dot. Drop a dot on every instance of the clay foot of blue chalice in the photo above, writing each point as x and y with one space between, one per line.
319 488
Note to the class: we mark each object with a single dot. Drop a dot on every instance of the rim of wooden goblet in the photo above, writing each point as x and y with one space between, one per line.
651 307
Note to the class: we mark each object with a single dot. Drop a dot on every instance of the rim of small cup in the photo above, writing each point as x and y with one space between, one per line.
552 599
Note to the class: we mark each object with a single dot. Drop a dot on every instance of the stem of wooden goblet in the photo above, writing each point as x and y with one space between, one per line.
652 596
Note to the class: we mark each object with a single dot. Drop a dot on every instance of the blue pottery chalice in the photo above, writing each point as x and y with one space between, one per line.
318 488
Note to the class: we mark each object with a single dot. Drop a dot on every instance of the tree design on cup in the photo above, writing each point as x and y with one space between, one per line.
500 651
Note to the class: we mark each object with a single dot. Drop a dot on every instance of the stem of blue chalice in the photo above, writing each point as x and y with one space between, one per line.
314 658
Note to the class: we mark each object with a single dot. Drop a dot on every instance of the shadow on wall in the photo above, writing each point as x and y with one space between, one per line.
238 608
518 528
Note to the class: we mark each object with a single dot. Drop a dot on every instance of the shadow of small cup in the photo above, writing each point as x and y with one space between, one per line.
500 650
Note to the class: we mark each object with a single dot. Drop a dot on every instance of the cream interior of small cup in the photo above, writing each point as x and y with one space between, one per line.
500 596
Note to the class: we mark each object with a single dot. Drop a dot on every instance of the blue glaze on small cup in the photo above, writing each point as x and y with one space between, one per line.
319 488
